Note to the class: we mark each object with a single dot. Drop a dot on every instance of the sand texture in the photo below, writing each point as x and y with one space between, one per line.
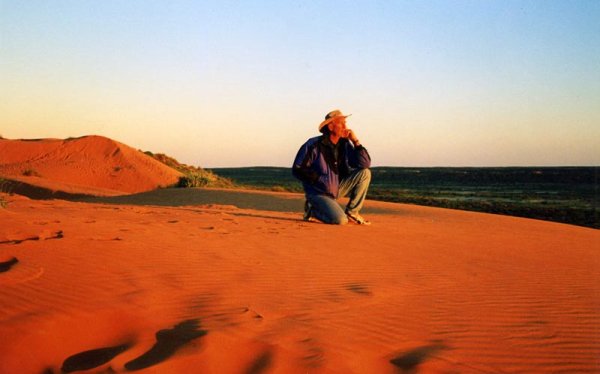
219 289
217 281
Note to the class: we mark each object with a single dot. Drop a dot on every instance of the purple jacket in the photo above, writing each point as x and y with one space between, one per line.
320 171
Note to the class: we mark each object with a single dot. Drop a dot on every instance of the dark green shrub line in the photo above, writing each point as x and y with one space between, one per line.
561 194
582 216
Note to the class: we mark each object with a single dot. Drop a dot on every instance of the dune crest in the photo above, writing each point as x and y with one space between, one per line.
93 165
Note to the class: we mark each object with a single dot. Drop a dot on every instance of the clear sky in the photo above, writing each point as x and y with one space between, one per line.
245 83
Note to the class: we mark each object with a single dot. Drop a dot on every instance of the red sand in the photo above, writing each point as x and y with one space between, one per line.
422 290
90 165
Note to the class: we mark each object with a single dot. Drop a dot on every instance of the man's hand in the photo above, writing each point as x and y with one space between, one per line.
350 135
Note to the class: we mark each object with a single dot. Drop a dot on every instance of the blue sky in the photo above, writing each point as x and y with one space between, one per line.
223 83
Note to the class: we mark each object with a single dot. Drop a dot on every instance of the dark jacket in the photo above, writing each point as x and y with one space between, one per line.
320 171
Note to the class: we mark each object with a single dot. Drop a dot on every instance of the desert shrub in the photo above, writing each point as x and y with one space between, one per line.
193 180
202 178
31 173
192 176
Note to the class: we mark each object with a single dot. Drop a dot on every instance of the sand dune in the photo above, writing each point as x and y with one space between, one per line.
219 289
215 281
92 165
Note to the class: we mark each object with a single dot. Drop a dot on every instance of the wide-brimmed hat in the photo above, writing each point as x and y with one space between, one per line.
331 116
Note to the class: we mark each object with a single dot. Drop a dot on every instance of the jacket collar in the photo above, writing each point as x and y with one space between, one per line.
326 141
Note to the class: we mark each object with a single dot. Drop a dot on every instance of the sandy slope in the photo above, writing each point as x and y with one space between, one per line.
218 289
90 165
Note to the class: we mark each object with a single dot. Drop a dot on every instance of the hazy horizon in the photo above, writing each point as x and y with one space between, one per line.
227 84
425 167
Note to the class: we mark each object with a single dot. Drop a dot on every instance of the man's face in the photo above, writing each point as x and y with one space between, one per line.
337 127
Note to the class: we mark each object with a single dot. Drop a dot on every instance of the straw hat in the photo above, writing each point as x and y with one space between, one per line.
330 117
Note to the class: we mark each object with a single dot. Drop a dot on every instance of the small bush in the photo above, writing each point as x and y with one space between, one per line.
31 173
193 180
192 176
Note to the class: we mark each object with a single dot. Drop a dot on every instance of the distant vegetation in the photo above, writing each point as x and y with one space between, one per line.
192 176
561 194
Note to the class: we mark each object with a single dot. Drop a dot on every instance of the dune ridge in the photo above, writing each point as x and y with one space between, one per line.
91 165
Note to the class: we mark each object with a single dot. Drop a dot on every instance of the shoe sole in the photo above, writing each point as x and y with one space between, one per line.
352 219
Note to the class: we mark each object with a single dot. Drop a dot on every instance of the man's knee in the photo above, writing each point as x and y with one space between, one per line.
339 220
336 218
364 174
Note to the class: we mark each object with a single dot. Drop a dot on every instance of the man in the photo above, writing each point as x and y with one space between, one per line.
333 165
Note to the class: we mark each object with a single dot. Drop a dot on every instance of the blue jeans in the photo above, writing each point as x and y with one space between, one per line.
326 209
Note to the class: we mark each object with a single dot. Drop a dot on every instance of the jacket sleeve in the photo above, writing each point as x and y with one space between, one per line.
301 168
359 158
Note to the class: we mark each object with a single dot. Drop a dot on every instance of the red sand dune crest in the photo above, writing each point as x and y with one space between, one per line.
90 164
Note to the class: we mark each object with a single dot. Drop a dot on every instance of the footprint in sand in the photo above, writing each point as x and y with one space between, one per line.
6 265
45 235
358 288
167 343
409 361
93 358
261 364
314 356
19 241
25 272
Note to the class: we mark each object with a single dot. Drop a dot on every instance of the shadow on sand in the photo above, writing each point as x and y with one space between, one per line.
37 192
257 200
167 342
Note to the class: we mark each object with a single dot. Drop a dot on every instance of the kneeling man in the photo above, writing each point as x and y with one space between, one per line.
330 166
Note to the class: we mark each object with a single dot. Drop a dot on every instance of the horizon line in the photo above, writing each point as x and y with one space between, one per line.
422 167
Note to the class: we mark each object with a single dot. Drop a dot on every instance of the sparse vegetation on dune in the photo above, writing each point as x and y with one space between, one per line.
192 176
